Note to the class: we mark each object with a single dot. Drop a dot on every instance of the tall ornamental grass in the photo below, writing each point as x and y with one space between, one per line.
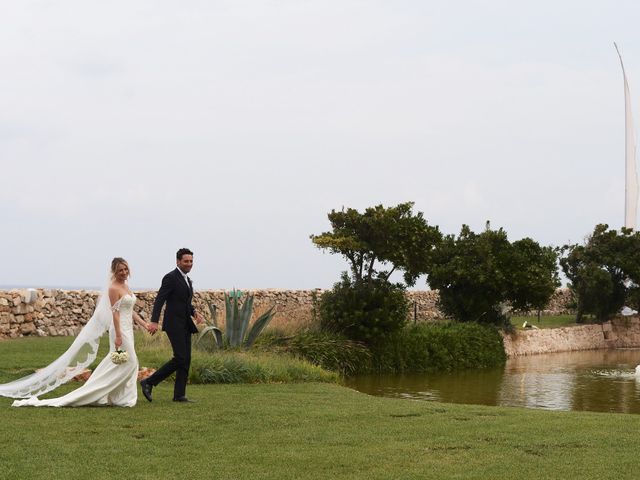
331 351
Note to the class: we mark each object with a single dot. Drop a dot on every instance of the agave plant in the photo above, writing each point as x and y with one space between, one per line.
237 319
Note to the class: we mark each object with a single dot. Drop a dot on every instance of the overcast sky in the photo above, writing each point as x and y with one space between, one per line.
133 128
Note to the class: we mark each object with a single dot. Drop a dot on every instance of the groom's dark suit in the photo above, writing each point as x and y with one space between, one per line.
178 326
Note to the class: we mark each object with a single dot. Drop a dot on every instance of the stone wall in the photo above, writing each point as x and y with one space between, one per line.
50 312
53 312
561 303
423 304
621 332
64 312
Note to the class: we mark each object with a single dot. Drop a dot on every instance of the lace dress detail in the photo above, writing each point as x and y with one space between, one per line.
116 306
109 384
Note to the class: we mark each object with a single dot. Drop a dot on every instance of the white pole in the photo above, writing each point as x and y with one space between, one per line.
631 176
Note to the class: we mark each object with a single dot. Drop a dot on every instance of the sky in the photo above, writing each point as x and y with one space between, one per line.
233 127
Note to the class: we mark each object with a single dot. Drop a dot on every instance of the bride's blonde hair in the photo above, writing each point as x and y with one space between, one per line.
117 261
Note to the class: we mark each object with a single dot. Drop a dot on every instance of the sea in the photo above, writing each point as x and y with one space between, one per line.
51 287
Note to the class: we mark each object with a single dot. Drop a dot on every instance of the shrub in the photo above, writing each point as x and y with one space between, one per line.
331 351
241 367
439 347
364 311
236 366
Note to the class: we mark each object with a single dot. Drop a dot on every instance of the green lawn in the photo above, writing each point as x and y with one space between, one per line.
300 431
550 321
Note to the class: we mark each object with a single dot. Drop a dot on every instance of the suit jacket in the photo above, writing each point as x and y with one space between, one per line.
177 295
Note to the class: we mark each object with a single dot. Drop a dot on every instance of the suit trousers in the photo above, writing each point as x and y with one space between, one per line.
180 363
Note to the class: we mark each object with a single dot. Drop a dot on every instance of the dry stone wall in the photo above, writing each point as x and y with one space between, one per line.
47 312
621 332
51 312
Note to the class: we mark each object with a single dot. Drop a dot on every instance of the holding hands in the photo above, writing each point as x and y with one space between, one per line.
152 327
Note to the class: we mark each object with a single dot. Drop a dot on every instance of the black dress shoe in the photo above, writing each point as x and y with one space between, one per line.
183 399
146 389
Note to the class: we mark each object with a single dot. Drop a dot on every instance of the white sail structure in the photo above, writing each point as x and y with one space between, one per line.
631 175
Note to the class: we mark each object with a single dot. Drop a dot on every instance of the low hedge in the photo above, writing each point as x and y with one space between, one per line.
320 356
238 366
439 347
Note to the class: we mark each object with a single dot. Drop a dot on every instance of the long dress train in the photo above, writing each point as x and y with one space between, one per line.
109 384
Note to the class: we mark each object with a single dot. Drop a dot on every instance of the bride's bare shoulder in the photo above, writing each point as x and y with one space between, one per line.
114 293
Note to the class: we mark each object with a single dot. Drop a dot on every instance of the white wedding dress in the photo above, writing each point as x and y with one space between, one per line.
109 384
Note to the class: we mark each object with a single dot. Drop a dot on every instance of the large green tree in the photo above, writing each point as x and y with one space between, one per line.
533 275
366 306
604 271
380 241
478 274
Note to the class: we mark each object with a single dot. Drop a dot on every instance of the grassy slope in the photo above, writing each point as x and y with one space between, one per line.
305 431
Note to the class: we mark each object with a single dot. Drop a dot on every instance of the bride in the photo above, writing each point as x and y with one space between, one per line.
110 383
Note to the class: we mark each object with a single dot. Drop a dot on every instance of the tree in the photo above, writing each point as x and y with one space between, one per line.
604 272
477 274
379 238
376 243
533 275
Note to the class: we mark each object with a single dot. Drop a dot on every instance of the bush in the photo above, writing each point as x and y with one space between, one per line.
364 311
439 347
240 367
331 351
237 366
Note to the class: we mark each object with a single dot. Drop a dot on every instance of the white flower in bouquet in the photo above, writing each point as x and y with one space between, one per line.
119 356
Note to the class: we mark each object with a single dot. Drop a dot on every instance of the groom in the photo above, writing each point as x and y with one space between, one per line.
177 292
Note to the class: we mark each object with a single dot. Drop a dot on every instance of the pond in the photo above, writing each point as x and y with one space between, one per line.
594 380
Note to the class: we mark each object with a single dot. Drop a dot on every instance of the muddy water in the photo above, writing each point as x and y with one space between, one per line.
596 380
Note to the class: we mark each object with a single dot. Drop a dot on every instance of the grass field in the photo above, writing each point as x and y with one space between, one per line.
304 431
550 321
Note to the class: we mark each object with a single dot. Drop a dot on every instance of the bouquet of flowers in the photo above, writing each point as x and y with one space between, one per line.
119 356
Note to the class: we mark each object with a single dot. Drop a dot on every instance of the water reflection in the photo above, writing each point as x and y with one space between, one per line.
597 380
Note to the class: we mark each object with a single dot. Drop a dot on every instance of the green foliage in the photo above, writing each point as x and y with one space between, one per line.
604 272
363 311
477 275
533 275
431 347
237 320
439 347
244 367
633 297
330 351
377 242
391 236
236 366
